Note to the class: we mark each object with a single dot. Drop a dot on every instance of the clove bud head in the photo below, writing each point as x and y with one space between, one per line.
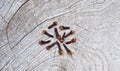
60 52
69 53
55 22
43 31
61 40
72 32
41 42
74 40
61 27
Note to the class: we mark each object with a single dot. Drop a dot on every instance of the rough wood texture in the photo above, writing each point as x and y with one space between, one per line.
96 24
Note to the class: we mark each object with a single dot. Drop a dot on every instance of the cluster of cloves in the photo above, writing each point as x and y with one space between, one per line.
61 39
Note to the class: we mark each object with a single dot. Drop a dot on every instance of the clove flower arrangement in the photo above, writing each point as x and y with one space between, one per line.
60 39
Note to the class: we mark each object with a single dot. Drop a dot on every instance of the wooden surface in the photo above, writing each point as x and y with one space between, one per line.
97 29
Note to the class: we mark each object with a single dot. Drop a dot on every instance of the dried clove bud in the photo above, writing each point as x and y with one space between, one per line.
71 41
46 33
70 33
41 42
64 27
60 50
50 46
57 34
63 36
68 51
52 25
61 40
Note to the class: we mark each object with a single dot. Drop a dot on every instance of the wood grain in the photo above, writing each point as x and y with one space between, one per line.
97 29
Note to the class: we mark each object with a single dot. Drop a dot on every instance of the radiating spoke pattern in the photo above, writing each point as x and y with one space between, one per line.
60 38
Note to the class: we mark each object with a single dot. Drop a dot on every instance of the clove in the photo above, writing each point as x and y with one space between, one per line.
68 51
46 33
60 50
61 39
52 25
71 41
57 34
64 27
41 42
70 33
63 35
50 46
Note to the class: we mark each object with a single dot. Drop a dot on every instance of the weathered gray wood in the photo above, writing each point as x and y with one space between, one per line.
96 24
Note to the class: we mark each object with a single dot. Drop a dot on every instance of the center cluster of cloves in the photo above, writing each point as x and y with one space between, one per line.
61 39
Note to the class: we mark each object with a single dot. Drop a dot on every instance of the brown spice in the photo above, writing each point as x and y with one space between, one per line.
46 33
60 50
64 27
41 42
50 46
68 51
70 33
52 25
71 41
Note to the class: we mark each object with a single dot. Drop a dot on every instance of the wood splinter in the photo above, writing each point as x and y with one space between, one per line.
52 25
71 41
70 33
50 46
46 33
64 27
59 47
68 51
41 42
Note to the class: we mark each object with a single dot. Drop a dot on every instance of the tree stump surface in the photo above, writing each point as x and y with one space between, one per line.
96 24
